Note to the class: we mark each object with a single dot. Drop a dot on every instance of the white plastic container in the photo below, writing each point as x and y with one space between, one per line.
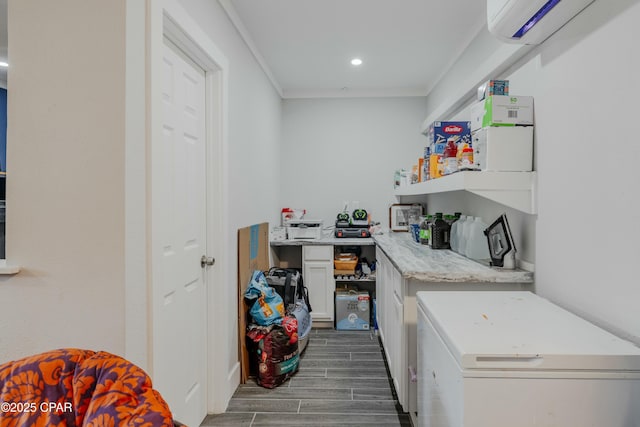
454 238
476 243
464 235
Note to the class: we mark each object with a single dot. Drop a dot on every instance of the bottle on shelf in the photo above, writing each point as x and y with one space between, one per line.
466 159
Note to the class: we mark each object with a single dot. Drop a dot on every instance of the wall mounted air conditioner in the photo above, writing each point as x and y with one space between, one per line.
530 21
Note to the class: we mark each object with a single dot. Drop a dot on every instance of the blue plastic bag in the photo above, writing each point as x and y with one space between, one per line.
268 307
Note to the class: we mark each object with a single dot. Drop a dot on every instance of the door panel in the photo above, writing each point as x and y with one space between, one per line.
179 224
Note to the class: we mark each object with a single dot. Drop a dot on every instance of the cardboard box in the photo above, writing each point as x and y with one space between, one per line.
504 149
499 110
439 132
253 254
493 87
421 172
352 310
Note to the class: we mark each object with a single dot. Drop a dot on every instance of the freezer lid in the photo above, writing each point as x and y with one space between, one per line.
522 331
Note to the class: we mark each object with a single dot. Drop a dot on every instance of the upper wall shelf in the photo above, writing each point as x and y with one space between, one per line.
513 189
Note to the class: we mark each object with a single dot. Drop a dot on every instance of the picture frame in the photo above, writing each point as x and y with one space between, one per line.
399 214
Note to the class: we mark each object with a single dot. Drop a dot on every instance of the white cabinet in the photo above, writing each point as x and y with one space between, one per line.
315 259
417 268
398 365
390 315
317 271
380 296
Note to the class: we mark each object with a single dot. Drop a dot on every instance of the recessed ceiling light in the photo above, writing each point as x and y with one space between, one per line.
3 64
356 61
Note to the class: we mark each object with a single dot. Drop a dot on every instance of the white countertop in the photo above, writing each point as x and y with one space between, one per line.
325 241
420 262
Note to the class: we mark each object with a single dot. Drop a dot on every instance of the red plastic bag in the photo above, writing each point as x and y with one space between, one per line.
275 351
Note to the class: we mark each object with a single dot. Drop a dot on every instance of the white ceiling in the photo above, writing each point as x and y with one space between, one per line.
305 45
405 45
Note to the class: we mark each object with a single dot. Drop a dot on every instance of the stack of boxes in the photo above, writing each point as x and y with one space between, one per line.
499 137
502 129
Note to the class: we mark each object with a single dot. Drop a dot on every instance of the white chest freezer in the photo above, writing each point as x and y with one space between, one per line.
494 359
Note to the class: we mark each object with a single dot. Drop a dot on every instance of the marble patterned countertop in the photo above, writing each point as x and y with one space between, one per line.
324 241
419 262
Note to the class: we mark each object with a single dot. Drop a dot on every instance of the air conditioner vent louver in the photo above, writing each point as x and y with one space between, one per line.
530 22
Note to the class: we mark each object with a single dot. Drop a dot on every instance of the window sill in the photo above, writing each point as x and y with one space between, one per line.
6 270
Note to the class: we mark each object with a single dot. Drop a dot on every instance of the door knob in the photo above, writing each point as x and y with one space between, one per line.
205 261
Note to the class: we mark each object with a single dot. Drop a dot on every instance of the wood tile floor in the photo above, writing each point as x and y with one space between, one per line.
342 381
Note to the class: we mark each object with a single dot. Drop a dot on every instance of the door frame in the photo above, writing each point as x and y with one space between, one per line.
169 19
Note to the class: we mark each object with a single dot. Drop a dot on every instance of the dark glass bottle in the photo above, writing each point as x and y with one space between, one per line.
440 231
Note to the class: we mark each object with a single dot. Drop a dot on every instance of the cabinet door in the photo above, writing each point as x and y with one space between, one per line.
398 368
318 277
380 295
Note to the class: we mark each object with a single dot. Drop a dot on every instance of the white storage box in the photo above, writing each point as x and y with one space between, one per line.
352 310
309 229
488 359
502 110
503 149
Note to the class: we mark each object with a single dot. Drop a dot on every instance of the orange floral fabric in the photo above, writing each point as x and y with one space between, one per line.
78 388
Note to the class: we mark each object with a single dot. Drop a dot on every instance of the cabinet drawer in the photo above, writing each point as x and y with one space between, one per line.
317 253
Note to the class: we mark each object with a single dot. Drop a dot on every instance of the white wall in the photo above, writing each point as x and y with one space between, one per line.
67 215
65 185
346 149
587 250
585 83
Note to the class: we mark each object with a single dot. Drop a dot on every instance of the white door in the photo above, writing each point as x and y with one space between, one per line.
179 230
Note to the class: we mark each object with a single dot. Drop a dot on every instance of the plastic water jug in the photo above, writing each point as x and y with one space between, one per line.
454 238
477 247
463 235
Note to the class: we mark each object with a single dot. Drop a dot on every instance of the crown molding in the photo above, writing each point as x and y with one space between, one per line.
246 37
356 93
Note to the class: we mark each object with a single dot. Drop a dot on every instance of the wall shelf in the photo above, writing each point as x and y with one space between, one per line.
513 189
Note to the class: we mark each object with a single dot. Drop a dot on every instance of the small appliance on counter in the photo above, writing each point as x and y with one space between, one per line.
502 249
309 229
356 225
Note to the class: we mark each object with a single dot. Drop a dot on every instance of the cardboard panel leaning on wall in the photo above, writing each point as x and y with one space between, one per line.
253 254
